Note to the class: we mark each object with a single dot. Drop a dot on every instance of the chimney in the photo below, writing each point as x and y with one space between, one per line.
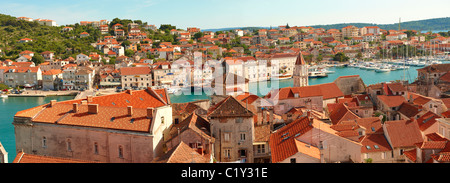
75 107
130 110
150 112
89 98
52 103
93 108
129 92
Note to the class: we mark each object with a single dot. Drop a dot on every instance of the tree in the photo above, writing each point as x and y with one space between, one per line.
287 26
126 43
37 59
359 55
341 57
198 35
129 53
3 86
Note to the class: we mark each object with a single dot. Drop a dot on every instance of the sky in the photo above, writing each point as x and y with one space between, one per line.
208 14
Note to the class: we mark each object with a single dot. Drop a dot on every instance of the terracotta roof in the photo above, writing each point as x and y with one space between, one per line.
229 107
135 71
181 153
327 90
282 143
52 72
195 123
396 87
409 110
112 111
375 143
435 137
22 157
427 120
392 101
342 113
442 157
107 117
403 133
247 97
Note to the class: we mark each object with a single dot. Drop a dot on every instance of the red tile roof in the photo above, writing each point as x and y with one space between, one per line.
112 111
282 143
403 133
427 120
374 143
327 90
181 153
342 113
135 71
392 101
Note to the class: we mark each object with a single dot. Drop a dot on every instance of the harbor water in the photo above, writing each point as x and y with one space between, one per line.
262 88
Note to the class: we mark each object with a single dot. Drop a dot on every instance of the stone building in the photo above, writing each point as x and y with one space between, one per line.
350 84
127 127
232 126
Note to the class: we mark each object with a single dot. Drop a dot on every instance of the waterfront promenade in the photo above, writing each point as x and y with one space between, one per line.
40 93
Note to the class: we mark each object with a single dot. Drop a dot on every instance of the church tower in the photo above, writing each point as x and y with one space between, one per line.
300 72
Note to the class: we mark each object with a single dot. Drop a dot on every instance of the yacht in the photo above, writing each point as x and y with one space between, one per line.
317 74
383 69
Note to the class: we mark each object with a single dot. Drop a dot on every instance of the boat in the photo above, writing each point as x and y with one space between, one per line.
383 69
317 74
325 70
281 76
3 96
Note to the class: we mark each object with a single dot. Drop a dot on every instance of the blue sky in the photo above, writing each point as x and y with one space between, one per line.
229 13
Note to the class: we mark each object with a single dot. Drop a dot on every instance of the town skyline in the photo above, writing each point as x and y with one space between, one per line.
221 15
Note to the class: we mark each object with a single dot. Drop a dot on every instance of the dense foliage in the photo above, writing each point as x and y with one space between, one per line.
45 38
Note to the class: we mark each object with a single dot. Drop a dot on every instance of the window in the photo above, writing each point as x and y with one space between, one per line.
238 120
242 136
162 119
69 145
227 153
95 148
226 137
293 160
261 148
383 155
242 153
401 151
120 151
44 142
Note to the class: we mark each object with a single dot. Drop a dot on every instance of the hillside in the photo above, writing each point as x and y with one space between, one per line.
45 38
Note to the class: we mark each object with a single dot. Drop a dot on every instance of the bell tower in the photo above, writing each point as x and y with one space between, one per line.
300 72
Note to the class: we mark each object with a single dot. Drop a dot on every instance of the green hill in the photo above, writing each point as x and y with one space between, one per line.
45 38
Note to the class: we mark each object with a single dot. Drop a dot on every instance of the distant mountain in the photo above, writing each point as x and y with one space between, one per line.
419 25
424 25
